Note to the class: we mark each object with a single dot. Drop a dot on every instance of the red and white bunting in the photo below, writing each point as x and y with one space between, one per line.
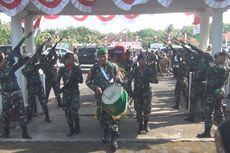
50 6
165 3
51 17
127 4
84 5
130 18
105 18
12 7
217 3
80 18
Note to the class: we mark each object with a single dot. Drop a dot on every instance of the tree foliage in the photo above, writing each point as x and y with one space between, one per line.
5 32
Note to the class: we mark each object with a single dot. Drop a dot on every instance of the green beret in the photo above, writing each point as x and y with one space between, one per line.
102 51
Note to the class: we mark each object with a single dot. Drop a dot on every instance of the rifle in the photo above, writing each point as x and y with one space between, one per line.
190 45
170 46
16 50
52 50
39 51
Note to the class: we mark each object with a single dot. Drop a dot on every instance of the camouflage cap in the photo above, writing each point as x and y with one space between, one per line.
102 51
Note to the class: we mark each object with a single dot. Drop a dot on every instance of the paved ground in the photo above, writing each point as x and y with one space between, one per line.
169 132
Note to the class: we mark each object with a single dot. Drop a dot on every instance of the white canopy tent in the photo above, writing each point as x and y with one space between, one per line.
28 9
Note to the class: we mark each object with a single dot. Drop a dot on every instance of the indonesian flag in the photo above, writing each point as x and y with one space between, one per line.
37 23
196 30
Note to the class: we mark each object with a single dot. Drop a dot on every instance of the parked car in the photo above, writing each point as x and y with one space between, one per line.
5 49
61 52
87 55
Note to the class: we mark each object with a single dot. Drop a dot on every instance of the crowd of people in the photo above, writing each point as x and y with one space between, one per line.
198 77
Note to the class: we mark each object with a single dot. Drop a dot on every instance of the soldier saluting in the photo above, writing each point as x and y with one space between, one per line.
143 74
216 78
71 75
101 76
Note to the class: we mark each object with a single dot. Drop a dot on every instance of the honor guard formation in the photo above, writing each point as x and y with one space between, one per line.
117 83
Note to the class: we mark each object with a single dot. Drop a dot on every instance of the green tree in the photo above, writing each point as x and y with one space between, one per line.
5 32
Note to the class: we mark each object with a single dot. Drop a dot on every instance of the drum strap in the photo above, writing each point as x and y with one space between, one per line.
104 74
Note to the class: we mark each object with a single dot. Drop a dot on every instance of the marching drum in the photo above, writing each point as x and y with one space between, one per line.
115 100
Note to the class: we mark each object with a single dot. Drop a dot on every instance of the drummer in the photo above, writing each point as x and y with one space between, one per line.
143 74
102 75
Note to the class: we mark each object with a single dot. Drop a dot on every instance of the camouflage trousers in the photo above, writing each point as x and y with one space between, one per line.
71 104
106 120
13 109
51 83
32 93
181 87
214 109
197 93
142 105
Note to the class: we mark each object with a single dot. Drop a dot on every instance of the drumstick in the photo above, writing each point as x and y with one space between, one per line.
106 96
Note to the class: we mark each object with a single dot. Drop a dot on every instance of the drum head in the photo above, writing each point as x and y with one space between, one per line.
111 94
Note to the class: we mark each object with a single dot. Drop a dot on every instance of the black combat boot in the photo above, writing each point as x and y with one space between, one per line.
59 101
47 118
25 133
146 126
113 142
29 117
6 133
176 106
205 134
106 136
140 129
71 129
77 125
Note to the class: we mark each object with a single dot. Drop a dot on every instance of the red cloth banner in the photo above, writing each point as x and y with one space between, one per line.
80 18
131 16
84 5
217 3
12 7
51 7
105 18
127 4
52 16
165 3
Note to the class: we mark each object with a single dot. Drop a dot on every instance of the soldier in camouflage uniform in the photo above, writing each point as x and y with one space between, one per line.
217 77
12 100
35 88
51 76
71 75
143 74
199 66
101 76
128 62
181 83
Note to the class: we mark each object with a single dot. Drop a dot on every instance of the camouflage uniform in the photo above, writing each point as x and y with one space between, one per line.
181 83
217 77
198 89
13 108
35 88
108 124
51 78
71 95
142 93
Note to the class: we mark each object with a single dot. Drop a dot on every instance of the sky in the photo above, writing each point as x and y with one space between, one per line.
119 23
